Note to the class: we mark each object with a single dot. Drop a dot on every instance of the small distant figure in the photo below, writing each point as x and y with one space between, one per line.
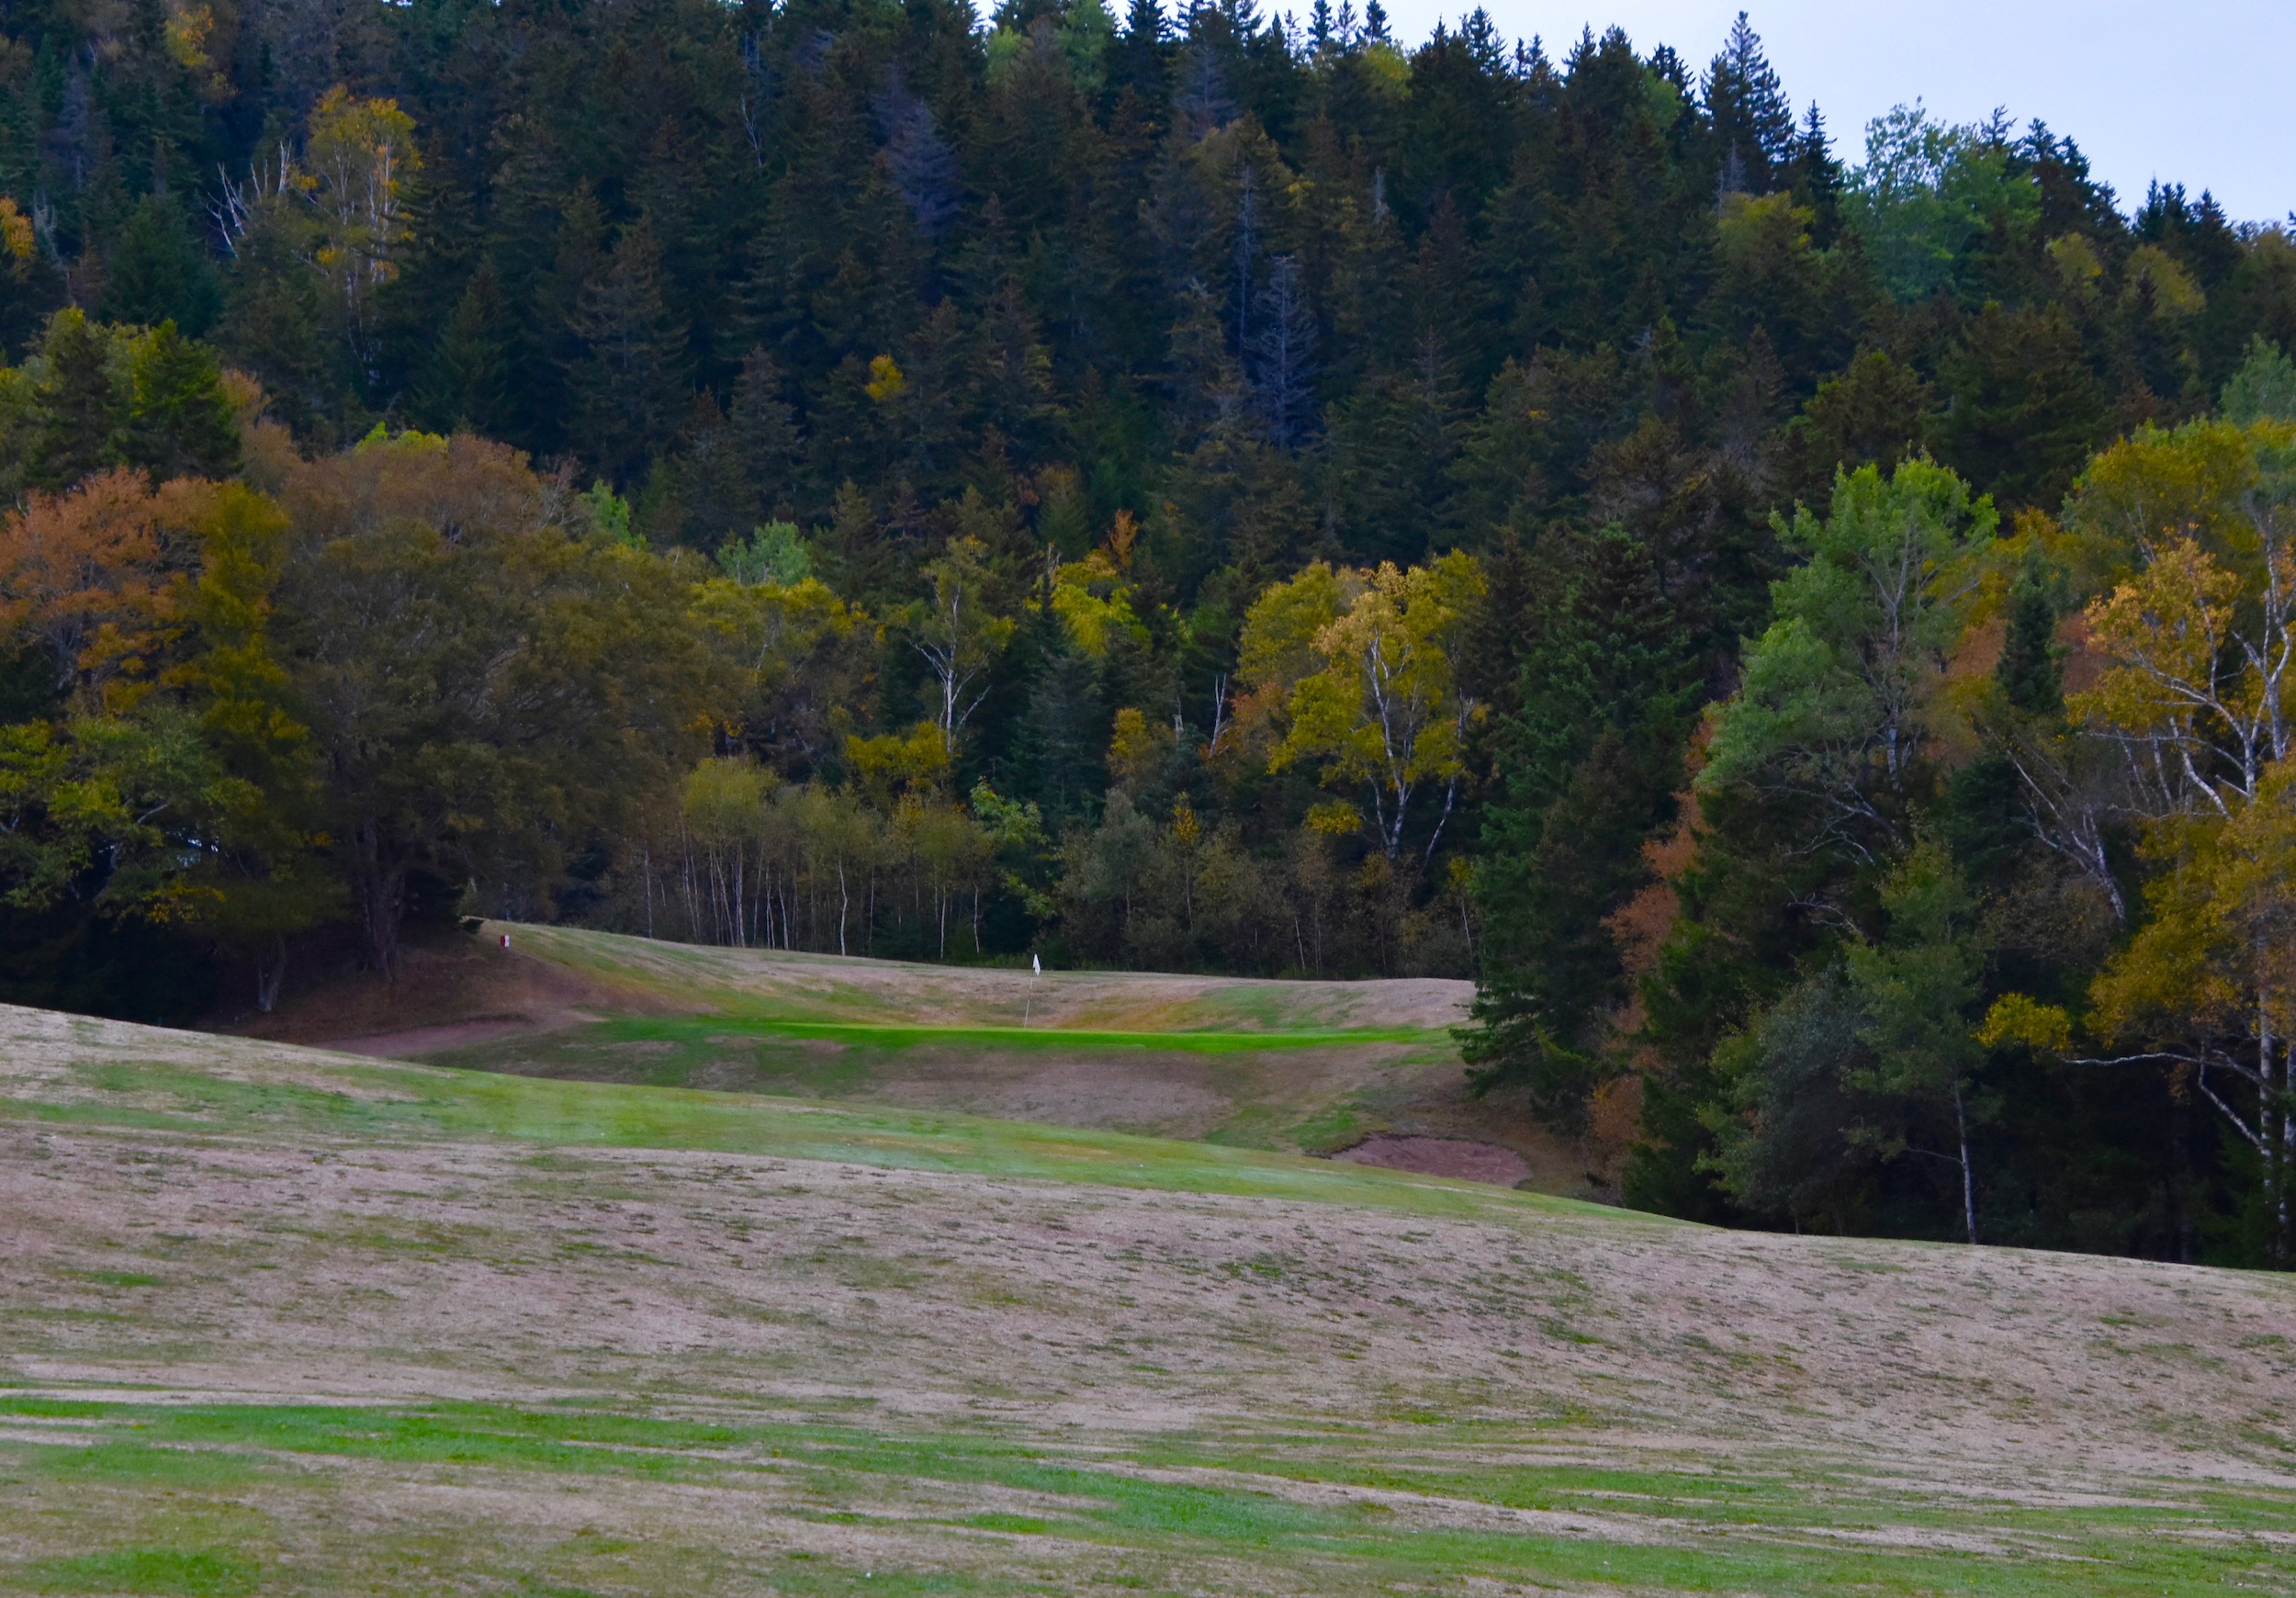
1036 966
506 941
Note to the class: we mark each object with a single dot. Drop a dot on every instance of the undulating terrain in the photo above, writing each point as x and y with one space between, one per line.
278 1319
1367 1069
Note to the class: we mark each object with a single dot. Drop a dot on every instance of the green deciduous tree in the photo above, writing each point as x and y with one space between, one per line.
1838 703
487 689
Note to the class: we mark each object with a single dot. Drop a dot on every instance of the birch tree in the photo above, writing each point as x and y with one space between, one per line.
357 161
1834 708
1381 710
958 633
2191 654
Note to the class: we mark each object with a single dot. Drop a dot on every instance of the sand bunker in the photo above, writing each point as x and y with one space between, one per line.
1460 1157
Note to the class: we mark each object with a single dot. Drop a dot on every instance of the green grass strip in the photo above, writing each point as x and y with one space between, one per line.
880 1034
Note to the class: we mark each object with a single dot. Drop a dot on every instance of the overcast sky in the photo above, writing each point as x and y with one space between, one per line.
2195 92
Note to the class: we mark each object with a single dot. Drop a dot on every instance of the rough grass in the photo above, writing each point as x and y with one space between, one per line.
822 987
277 1321
1295 1066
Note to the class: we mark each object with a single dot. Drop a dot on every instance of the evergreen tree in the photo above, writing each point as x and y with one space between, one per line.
1753 120
764 436
1283 368
180 424
156 272
1589 763
467 384
628 379
83 398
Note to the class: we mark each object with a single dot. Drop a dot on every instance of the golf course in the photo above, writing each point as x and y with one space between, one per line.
672 1270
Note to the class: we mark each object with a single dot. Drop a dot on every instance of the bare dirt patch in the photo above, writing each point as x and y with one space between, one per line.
1460 1157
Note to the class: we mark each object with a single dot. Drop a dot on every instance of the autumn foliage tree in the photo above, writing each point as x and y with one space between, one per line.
2195 532
1372 698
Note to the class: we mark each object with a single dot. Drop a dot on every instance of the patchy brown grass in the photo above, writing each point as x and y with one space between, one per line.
1758 1402
535 1011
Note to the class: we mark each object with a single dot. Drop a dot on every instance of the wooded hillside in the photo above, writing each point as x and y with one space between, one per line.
1801 617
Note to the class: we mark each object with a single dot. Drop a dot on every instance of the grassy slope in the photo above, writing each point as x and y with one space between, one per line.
279 1321
1285 1065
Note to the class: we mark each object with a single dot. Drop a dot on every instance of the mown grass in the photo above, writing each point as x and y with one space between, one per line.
829 989
119 1495
1309 1089
885 1035
387 1100
1791 1530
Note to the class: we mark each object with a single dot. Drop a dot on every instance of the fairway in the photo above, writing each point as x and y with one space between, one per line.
1313 1067
279 1321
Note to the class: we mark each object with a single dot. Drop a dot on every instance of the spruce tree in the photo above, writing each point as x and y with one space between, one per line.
156 272
84 402
764 436
1752 121
628 379
468 380
180 424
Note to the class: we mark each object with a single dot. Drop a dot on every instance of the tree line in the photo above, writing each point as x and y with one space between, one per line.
1209 491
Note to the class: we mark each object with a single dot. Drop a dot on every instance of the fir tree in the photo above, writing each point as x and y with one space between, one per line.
1283 367
156 272
1752 121
83 403
764 435
627 380
180 424
468 380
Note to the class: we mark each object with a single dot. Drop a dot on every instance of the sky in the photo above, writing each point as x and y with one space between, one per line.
2187 91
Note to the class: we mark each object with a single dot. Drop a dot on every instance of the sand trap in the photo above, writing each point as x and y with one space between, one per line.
1460 1157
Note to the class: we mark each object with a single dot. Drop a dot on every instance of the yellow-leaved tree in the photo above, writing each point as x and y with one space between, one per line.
1361 663
357 160
2190 658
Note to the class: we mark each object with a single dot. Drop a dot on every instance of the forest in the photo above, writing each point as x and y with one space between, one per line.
1802 619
